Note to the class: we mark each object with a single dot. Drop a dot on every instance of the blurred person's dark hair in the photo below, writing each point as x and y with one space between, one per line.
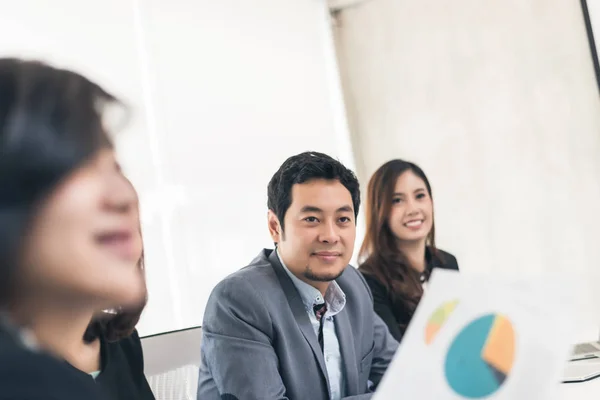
52 121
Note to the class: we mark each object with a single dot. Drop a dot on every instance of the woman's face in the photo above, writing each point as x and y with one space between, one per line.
84 243
411 216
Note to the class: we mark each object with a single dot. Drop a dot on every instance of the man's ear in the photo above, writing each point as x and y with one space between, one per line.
274 227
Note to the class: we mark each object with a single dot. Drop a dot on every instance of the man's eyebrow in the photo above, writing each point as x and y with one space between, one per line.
306 209
315 209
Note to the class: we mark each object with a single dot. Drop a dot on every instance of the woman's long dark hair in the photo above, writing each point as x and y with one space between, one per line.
51 123
379 253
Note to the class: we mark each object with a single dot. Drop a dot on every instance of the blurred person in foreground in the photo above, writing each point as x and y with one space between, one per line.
70 243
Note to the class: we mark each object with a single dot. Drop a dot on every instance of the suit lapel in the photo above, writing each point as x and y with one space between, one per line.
299 312
346 339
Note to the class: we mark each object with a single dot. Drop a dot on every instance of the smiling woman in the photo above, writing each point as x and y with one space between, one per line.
398 252
69 229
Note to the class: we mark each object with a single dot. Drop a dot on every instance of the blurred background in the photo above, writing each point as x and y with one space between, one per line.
498 101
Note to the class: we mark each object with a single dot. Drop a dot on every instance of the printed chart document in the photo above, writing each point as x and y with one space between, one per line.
484 337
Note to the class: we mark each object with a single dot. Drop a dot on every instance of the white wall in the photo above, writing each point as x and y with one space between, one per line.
497 101
223 92
593 7
593 10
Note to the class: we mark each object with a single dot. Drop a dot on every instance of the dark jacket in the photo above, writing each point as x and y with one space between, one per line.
26 374
122 376
394 315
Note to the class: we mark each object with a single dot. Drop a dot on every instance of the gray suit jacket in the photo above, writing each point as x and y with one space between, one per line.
258 342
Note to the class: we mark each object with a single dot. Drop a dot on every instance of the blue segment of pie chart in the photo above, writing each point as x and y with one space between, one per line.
467 373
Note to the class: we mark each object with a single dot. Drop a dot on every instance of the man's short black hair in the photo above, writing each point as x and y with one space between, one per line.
305 167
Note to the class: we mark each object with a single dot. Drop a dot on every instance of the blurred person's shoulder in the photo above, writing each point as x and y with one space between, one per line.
29 375
122 375
130 345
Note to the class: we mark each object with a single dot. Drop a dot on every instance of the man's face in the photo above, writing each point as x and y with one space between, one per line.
320 230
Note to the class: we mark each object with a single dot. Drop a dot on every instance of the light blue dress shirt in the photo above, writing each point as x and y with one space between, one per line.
335 300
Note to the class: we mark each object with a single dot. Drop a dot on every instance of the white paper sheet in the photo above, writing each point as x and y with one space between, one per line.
504 339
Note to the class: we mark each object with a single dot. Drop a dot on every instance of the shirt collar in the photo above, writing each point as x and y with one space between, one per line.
335 299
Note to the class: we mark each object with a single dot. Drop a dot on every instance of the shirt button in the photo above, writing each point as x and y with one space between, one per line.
327 358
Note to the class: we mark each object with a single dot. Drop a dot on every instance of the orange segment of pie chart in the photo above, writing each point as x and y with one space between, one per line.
431 331
499 350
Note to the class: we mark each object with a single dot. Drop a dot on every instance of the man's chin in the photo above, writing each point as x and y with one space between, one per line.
323 277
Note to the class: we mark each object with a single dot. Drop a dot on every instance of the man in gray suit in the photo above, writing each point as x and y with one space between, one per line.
298 322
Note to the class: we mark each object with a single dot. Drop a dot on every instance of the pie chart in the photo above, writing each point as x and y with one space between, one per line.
481 357
437 319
